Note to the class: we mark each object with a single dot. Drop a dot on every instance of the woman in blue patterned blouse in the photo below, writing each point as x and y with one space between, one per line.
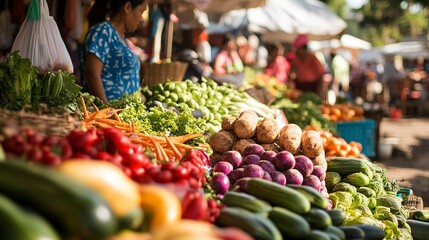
110 68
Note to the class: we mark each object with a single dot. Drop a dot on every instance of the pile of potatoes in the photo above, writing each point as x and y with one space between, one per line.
238 132
345 112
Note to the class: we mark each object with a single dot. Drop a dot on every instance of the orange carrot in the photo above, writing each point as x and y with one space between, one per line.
95 107
176 152
112 122
106 113
85 111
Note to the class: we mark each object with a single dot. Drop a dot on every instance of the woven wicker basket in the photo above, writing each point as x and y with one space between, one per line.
43 121
154 73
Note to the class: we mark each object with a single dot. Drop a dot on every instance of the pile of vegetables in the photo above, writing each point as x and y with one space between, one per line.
239 132
363 190
22 86
305 111
154 120
344 112
338 146
212 100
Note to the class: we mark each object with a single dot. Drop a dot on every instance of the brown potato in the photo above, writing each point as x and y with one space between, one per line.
290 138
241 144
271 147
311 144
267 131
245 125
222 141
228 123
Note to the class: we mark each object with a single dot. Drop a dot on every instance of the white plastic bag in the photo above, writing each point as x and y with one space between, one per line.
39 40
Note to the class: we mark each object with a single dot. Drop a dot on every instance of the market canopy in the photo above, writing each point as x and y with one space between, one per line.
345 41
283 20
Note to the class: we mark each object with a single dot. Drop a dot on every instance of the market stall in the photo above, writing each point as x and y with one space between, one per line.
186 160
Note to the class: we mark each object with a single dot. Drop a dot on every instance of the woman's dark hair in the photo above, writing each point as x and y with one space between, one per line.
101 9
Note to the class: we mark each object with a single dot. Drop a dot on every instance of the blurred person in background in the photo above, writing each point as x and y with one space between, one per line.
340 74
278 66
307 71
227 60
109 67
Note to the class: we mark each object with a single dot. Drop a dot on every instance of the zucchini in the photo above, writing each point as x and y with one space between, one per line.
421 215
258 226
318 235
333 230
318 219
289 223
371 232
73 208
347 166
352 232
246 201
278 195
16 223
315 197
338 216
419 229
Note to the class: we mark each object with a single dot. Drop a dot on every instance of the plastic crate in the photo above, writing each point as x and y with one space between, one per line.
359 131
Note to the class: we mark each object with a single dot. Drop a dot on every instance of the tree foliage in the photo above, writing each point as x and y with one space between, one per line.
387 21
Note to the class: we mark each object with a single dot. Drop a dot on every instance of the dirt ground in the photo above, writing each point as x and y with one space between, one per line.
409 162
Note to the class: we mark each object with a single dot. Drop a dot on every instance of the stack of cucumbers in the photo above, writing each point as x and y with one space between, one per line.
213 100
362 189
268 210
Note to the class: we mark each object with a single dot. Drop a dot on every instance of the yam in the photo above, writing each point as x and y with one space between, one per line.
241 144
222 141
311 144
228 123
245 125
290 138
267 131
320 160
271 147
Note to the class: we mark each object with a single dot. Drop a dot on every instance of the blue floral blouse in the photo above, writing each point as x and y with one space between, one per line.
121 71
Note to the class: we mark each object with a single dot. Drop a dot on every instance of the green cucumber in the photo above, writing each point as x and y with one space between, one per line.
258 226
318 235
419 229
15 223
371 232
315 197
352 232
347 166
333 230
338 216
318 219
246 201
289 223
74 209
278 195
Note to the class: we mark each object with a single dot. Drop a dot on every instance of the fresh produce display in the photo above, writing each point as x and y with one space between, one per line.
22 86
156 120
337 146
139 167
262 211
305 111
214 101
363 190
344 112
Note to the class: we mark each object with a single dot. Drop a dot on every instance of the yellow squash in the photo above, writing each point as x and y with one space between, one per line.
106 178
163 204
